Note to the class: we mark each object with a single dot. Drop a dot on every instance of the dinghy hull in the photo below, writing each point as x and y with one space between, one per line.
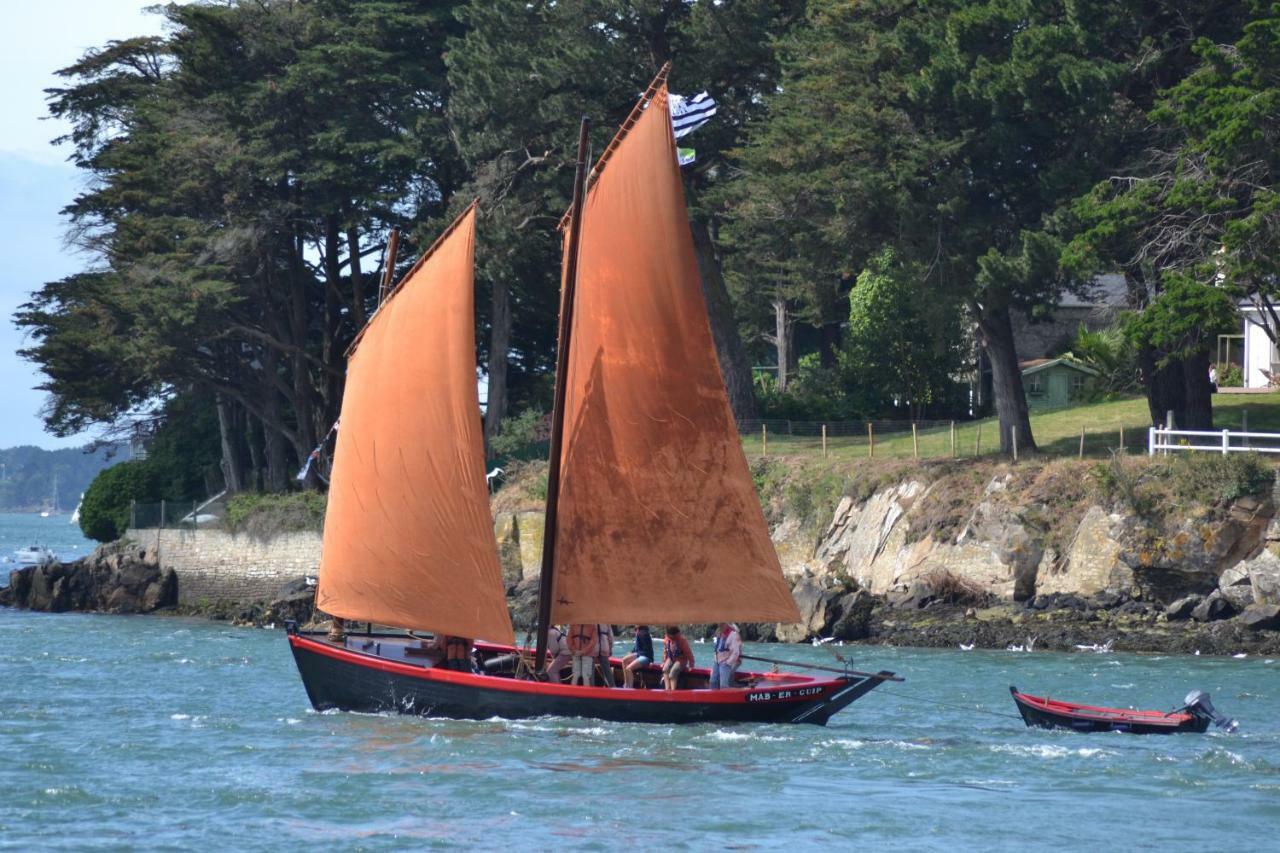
375 681
1044 713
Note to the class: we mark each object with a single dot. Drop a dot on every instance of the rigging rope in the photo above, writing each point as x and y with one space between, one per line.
948 704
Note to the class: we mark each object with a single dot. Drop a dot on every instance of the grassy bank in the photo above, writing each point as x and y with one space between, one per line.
1106 427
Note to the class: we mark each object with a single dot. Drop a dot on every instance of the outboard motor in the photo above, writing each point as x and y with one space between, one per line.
1197 703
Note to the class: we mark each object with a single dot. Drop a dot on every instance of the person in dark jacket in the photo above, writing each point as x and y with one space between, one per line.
640 656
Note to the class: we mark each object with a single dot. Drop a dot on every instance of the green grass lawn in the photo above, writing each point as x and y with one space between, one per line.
1057 432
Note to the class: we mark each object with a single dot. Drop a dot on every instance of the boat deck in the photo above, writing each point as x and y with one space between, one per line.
501 660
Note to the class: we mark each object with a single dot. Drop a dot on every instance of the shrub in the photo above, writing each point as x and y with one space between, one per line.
522 437
950 588
264 516
104 515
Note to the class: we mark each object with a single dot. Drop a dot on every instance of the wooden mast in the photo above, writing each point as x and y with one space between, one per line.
546 580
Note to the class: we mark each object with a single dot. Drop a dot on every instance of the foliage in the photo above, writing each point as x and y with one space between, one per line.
902 346
1184 479
814 393
104 515
1112 354
29 474
1230 376
523 437
264 516
1185 319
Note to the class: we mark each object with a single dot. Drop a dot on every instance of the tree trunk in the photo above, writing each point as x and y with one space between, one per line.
357 280
782 341
996 332
232 460
257 467
1197 393
734 366
829 344
499 345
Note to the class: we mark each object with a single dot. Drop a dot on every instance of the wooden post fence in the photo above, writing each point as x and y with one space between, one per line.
824 441
1013 435
871 441
1122 439
977 441
915 442
1081 442
953 439
764 440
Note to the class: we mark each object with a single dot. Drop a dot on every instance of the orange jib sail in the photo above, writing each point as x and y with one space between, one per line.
658 517
408 537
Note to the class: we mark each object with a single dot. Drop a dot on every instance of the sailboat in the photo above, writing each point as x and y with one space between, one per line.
651 516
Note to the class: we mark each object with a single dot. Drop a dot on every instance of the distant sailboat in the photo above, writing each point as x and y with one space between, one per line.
75 516
647 478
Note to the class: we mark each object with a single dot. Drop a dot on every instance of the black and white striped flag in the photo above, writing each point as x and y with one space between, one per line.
689 114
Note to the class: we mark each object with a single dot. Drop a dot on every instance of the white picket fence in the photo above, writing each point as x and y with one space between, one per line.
1215 441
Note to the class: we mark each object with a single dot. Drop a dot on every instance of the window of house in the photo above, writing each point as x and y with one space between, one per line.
1035 385
1077 384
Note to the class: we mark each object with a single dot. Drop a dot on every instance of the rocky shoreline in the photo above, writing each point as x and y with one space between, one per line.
118 578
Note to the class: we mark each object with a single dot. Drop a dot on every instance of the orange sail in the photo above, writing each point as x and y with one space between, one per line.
658 517
408 538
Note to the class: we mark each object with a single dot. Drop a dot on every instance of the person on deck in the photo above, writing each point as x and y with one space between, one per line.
558 649
604 635
457 652
677 657
640 656
728 656
583 646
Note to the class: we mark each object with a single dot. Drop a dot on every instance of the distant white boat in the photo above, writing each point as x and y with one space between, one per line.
34 555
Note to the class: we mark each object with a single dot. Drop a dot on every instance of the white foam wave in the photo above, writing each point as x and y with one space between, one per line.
1052 751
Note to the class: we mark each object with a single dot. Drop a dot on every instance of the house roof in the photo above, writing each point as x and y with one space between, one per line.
1035 365
1105 291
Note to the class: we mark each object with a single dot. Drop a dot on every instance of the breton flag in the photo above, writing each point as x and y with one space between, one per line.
689 114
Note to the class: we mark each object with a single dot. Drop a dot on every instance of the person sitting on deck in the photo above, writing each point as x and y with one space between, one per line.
640 656
457 652
677 658
728 656
604 635
583 646
558 649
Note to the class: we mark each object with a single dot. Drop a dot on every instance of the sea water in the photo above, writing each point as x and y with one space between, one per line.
55 532
124 732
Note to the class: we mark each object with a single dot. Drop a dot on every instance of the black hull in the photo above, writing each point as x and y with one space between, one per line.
350 680
1088 719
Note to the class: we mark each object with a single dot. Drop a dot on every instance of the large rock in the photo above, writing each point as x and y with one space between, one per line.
1092 563
113 579
1264 576
1262 617
1235 586
1212 609
813 599
1183 607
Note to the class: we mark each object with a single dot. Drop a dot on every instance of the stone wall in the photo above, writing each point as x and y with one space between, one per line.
216 566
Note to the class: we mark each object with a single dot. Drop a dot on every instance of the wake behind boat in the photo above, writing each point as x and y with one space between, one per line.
647 478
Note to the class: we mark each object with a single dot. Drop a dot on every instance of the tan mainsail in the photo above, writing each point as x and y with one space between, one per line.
659 520
408 538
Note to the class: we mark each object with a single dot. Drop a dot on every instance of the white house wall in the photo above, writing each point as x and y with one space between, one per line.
1258 352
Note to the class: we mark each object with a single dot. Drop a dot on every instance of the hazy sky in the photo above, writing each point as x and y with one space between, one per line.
35 179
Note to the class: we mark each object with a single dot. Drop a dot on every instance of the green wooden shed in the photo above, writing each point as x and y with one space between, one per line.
1054 383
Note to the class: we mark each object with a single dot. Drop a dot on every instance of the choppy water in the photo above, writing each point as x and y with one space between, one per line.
151 731
19 530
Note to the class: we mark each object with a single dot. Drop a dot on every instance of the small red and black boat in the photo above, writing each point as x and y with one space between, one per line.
389 673
1195 715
